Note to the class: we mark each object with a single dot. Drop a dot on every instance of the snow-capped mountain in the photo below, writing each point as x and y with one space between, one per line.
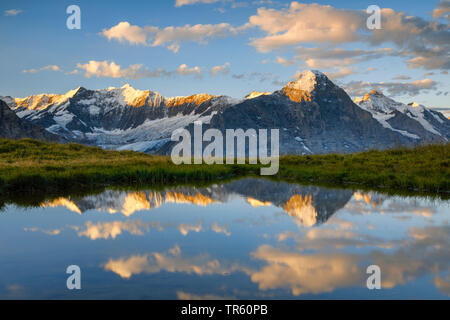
307 205
12 127
412 120
115 118
315 116
312 113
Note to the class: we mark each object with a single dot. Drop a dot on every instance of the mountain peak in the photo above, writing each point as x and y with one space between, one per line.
301 89
377 102
196 99
414 104
44 100
256 94
307 80
322 118
72 93
385 110
135 97
372 93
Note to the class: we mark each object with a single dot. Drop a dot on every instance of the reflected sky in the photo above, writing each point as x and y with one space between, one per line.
247 239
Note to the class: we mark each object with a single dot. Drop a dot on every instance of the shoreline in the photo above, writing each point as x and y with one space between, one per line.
35 167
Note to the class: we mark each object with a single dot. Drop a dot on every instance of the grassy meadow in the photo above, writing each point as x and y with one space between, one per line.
30 166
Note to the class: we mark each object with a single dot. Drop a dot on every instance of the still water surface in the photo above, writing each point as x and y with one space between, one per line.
247 239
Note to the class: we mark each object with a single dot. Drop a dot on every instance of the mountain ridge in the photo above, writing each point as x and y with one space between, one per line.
312 113
397 116
12 127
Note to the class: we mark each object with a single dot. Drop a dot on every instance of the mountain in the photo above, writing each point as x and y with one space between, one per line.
412 120
312 113
12 127
116 118
314 116
307 205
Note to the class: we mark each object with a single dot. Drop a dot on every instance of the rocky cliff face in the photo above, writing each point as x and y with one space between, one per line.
312 114
12 127
116 118
412 120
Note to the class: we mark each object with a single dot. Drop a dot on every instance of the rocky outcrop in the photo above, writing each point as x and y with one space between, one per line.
313 115
307 205
412 120
12 127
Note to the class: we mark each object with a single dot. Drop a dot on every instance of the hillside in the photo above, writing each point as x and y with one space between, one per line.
34 166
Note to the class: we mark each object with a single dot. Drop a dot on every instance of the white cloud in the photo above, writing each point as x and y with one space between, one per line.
12 12
430 62
341 73
323 58
360 88
305 23
184 70
136 71
185 228
220 229
402 77
179 3
327 270
124 31
305 273
111 69
106 230
49 67
425 43
442 9
169 37
284 61
172 261
159 72
260 77
233 3
223 69
181 295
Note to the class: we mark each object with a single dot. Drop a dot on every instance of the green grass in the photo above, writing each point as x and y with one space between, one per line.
424 168
30 167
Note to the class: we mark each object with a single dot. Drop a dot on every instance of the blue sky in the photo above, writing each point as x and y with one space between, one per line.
250 44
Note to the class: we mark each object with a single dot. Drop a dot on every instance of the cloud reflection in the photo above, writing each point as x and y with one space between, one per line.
302 273
106 230
171 261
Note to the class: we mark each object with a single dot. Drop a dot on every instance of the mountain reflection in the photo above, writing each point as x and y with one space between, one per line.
307 206
129 202
427 253
302 210
245 239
